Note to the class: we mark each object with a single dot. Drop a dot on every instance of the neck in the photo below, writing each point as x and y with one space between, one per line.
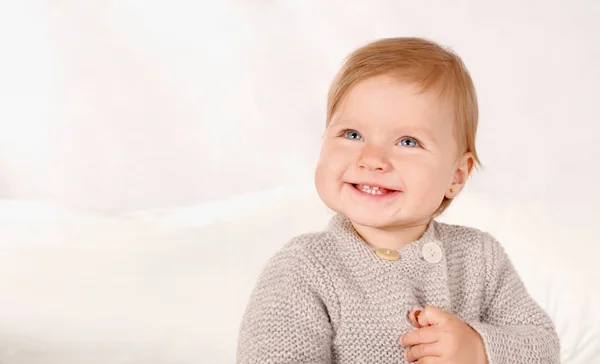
392 237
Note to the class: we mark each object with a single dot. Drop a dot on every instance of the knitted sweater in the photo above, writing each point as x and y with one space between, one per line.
326 297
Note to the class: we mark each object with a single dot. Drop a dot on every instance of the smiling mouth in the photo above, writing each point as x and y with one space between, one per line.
373 190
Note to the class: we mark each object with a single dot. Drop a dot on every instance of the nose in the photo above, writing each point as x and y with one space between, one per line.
373 158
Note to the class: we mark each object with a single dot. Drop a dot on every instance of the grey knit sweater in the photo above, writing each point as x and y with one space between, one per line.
328 298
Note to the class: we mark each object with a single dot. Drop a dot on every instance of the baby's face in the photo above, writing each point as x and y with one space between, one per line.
388 155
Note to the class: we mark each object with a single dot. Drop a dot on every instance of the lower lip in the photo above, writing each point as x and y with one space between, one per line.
374 196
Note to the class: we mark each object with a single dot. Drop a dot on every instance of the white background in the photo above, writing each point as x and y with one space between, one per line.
123 105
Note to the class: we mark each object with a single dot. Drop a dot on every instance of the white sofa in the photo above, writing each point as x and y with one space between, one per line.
171 285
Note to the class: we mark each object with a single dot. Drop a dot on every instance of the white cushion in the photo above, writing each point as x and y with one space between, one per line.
170 286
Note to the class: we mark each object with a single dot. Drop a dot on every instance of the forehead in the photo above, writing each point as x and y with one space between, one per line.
386 101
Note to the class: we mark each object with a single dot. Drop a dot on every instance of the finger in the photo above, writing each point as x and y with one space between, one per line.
429 360
432 315
413 314
418 352
425 335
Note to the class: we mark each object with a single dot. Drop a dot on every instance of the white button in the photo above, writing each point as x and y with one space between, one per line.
432 253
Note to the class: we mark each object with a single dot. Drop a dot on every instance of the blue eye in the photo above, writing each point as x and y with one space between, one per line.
352 134
409 142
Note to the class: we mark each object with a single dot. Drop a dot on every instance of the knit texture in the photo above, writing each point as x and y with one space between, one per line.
326 297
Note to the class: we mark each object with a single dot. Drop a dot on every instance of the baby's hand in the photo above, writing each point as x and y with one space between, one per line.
441 337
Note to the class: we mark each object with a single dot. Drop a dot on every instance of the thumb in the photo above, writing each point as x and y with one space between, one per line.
413 316
429 316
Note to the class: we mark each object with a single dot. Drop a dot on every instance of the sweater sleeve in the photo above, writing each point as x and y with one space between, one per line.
286 320
514 328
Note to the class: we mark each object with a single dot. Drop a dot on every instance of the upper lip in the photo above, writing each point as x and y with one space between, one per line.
373 184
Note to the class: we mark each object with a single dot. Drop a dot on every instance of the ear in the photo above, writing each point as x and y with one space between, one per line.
464 167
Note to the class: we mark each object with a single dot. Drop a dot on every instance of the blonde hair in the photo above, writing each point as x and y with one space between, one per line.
420 61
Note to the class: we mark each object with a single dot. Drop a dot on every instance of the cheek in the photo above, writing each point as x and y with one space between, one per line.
333 161
426 188
327 178
326 167
427 175
320 175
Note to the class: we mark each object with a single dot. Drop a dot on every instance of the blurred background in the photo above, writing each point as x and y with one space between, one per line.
125 105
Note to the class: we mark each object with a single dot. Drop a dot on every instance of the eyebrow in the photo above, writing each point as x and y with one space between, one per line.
335 121
426 132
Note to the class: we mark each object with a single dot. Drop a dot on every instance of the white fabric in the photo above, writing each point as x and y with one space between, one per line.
170 286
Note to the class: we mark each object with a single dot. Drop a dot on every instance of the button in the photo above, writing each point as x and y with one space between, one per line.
432 253
387 254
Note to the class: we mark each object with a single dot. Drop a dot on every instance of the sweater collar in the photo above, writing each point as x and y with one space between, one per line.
342 229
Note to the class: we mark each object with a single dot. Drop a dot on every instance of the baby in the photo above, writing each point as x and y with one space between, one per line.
385 282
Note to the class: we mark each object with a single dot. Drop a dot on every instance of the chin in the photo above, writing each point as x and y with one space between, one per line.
369 218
